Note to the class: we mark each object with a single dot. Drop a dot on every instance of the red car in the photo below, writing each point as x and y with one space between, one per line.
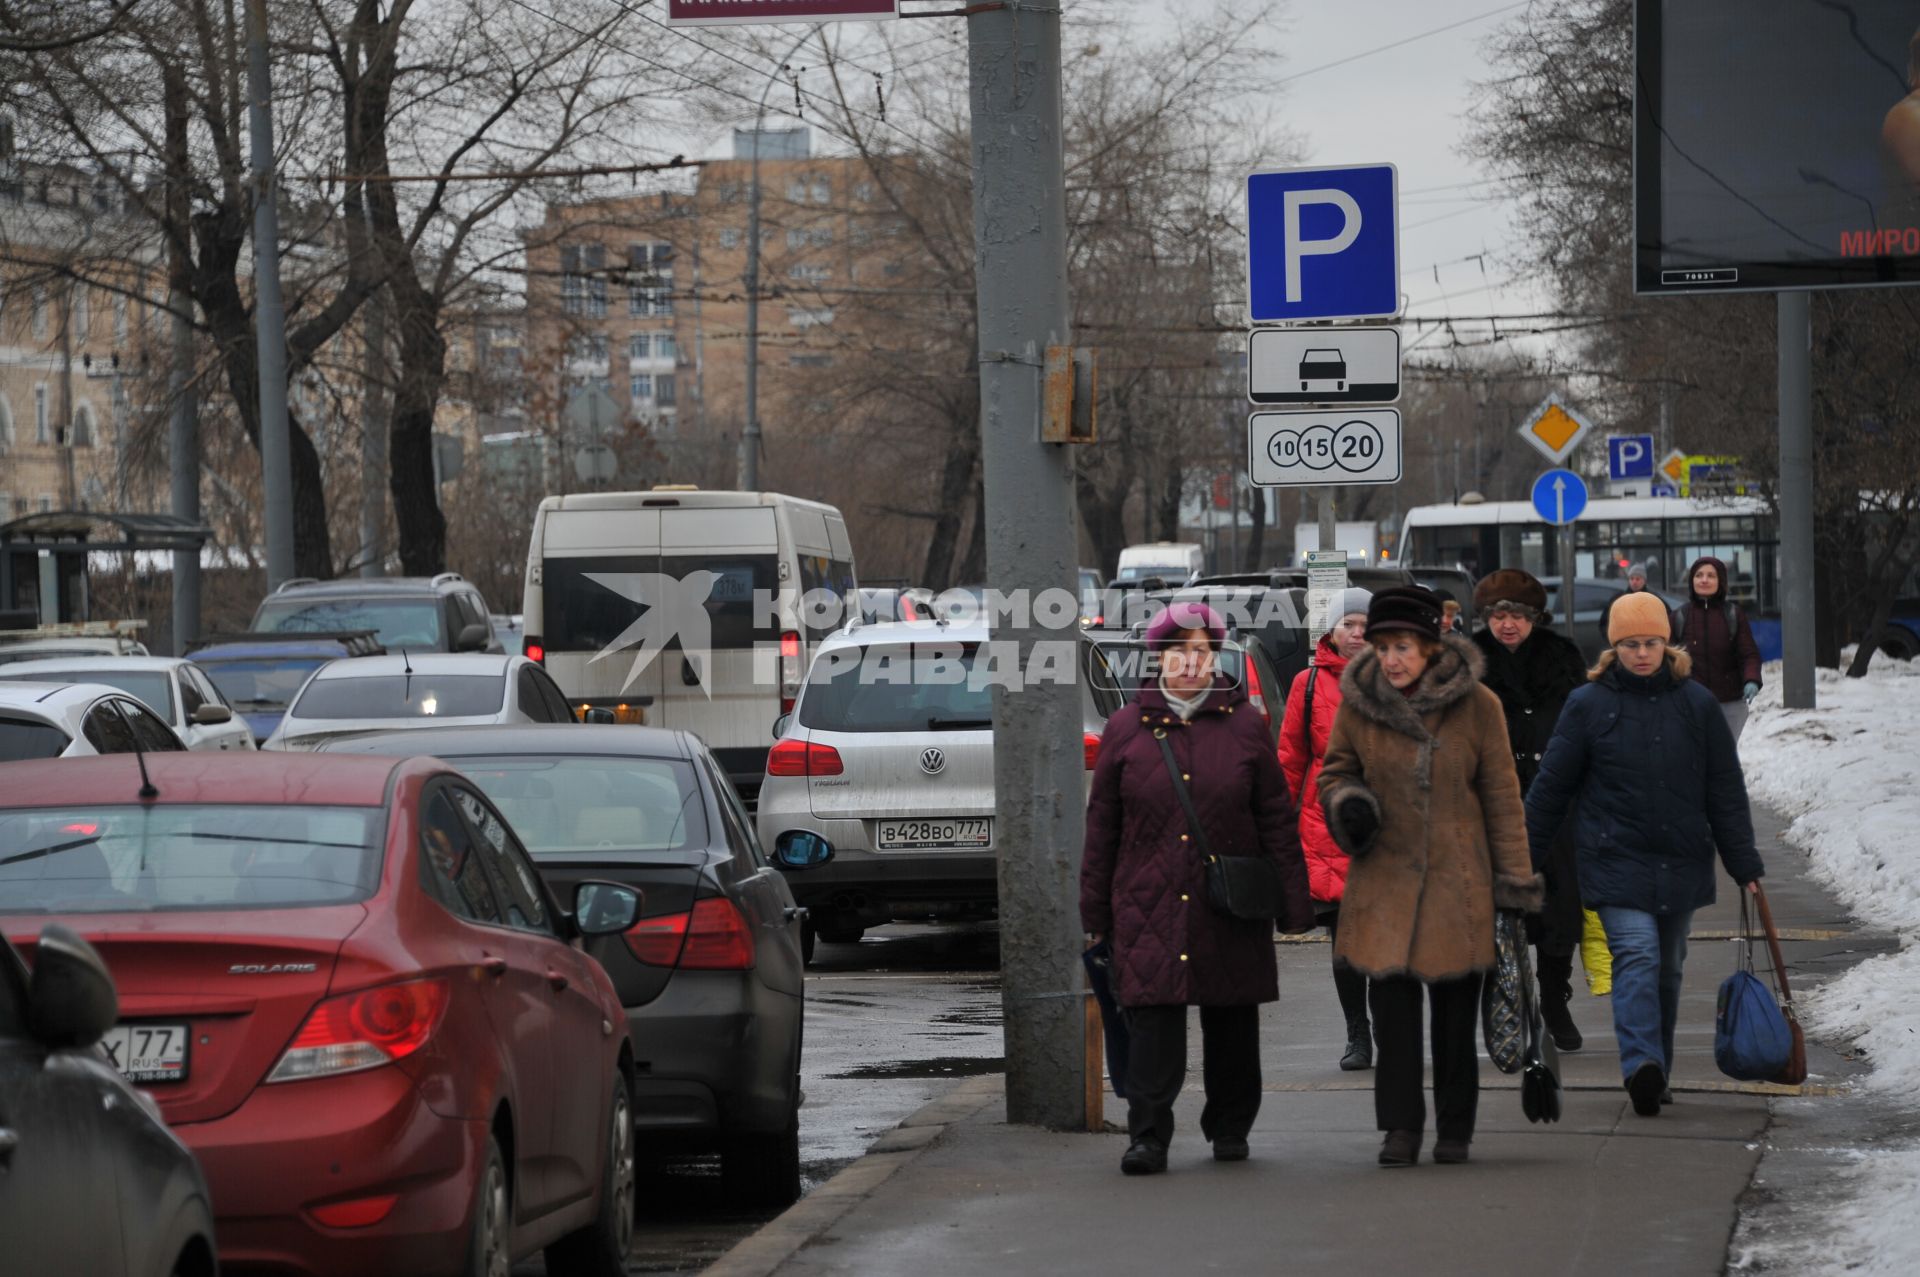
353 998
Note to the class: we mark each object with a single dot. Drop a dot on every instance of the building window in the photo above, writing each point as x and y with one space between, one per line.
796 237
588 349
84 434
649 279
82 311
809 316
664 390
810 361
120 319
640 346
860 236
730 237
864 192
41 429
6 434
46 503
822 191
810 273
640 388
583 280
664 347
797 191
39 310
822 236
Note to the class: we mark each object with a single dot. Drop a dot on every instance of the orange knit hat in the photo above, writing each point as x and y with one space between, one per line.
1641 615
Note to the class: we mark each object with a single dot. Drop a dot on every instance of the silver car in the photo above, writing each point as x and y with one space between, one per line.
888 756
417 690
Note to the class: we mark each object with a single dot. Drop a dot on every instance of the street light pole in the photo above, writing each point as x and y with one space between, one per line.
749 468
269 308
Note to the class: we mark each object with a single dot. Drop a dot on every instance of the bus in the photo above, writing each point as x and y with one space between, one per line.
1666 534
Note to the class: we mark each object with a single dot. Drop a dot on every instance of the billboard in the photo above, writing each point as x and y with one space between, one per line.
1776 144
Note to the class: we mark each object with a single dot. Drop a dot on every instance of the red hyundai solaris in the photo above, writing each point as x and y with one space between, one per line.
353 998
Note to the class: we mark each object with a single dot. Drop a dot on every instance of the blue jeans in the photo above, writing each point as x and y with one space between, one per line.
1648 950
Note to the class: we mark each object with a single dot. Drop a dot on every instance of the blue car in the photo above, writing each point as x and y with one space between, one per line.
261 673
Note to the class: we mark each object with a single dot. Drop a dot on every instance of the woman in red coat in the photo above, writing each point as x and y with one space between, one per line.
1311 705
1143 884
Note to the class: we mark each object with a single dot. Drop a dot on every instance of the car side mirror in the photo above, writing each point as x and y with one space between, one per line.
604 908
780 725
473 638
600 714
801 849
210 715
71 1003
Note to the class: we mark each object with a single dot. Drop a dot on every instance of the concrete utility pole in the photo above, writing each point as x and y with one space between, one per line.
1020 237
183 452
1797 564
269 310
373 440
1329 533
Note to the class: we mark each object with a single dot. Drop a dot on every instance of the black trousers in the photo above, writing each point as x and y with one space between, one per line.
1157 1067
1398 1100
1349 984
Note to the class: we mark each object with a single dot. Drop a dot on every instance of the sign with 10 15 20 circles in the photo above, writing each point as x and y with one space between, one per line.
1320 449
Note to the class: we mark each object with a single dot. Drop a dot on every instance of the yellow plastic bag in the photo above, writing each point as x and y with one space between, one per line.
1595 956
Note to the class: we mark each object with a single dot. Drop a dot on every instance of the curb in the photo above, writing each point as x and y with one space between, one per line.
776 1241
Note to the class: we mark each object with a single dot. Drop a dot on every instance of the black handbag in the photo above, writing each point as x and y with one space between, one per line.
1540 1079
1503 997
1244 887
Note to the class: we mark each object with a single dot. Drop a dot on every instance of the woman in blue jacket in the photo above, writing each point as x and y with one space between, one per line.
1647 754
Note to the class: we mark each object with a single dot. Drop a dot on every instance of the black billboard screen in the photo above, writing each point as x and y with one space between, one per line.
1776 144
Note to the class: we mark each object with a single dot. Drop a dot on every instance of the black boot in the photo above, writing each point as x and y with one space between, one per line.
1359 1046
1556 990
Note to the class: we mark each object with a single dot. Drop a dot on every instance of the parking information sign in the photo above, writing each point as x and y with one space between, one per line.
1320 449
1323 365
1323 243
1629 457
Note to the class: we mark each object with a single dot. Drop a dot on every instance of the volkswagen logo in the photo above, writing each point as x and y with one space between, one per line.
932 760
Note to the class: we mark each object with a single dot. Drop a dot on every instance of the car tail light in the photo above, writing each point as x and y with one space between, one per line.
1254 692
358 1213
363 1030
713 937
1090 745
803 758
789 670
534 650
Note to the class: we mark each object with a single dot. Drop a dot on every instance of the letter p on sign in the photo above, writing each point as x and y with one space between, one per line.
1323 243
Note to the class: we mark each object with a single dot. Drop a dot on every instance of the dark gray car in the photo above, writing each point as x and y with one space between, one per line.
91 1180
711 975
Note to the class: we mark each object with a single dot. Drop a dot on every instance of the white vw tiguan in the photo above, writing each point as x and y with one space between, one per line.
888 755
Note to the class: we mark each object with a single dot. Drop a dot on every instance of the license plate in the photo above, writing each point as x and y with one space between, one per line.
148 1052
934 835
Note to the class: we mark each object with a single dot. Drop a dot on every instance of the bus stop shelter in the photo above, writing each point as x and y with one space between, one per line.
43 556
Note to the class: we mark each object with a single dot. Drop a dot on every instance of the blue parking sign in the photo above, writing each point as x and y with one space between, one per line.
1629 456
1323 243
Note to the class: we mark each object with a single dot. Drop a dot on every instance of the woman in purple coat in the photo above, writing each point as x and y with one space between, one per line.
1143 884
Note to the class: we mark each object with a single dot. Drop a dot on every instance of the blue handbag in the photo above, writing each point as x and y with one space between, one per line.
1751 1039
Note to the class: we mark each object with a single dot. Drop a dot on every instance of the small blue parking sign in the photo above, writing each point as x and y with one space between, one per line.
1323 243
1559 496
1629 456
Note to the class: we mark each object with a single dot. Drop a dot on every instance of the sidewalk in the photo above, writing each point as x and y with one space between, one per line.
1602 1192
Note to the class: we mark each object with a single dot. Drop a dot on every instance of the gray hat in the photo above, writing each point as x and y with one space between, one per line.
1637 569
1348 601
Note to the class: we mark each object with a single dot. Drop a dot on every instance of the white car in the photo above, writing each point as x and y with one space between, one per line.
418 689
70 720
175 689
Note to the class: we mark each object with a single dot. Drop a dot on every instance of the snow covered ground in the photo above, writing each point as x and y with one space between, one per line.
1848 776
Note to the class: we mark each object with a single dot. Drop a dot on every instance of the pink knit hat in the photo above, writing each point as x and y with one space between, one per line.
1185 616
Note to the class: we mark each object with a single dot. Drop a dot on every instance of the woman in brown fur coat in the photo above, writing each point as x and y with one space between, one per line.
1419 789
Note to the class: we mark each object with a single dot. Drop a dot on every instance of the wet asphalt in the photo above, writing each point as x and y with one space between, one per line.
891 1023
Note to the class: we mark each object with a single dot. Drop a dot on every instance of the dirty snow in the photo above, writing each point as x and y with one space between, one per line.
1847 775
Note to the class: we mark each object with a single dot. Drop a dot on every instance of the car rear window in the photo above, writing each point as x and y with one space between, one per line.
168 857
591 602
919 687
25 738
1131 666
397 623
562 806
154 688
403 696
269 682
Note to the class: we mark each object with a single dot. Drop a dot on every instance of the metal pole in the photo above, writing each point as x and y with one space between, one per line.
69 489
1797 564
183 452
373 441
1567 591
269 310
1019 220
1329 534
750 434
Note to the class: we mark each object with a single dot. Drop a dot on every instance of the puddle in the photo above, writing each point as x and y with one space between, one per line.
937 1067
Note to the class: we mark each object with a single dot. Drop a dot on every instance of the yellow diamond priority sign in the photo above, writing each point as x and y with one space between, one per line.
1555 429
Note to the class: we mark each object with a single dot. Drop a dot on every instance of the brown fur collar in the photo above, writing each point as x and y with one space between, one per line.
1450 678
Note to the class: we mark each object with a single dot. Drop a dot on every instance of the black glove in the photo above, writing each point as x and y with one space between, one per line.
1358 823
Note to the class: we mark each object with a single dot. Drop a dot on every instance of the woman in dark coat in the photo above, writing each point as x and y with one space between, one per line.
1143 884
1646 753
1533 670
1715 633
1418 787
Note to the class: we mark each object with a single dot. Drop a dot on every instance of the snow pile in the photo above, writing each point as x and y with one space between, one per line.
1847 775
